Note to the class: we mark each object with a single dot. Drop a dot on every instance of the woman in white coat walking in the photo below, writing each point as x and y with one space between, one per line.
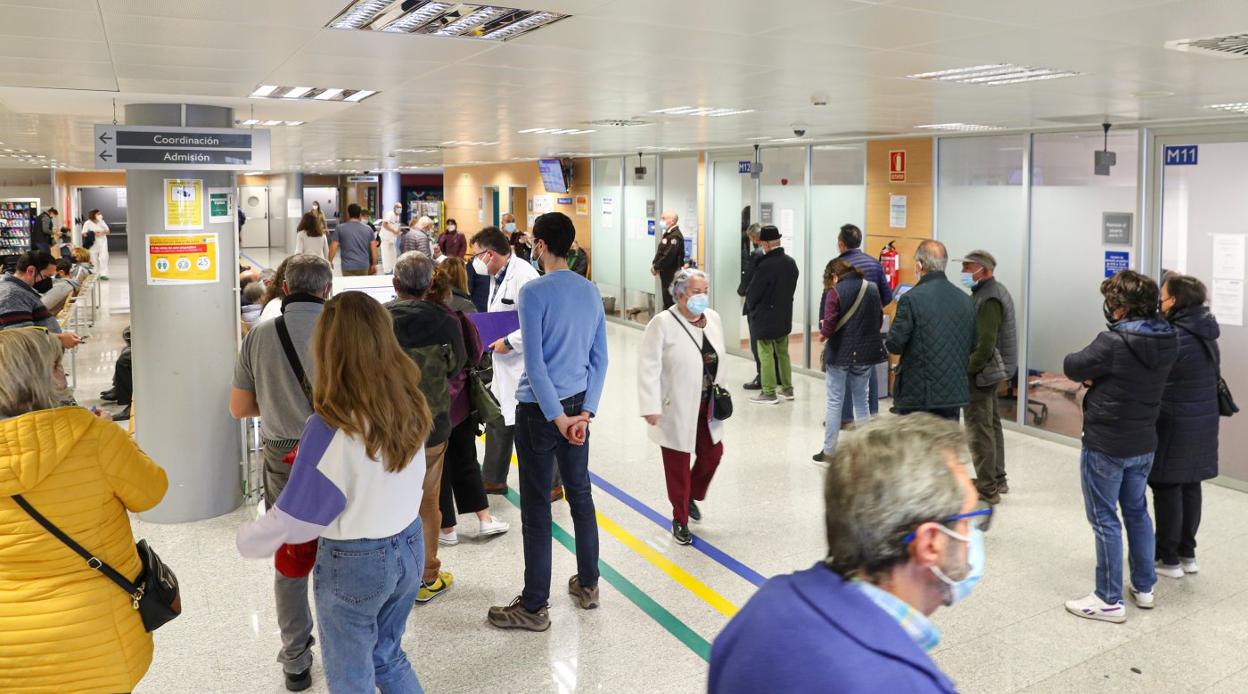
95 231
680 360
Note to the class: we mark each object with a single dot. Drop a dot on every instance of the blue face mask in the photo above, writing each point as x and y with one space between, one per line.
698 303
975 566
510 227
968 280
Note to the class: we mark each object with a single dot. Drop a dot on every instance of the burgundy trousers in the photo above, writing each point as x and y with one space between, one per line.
684 484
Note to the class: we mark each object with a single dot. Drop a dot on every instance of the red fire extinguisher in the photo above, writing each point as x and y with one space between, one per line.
890 260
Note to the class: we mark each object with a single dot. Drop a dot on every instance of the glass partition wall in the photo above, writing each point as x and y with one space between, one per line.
838 196
606 213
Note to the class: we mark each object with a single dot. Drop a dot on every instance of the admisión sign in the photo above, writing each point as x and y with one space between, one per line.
164 147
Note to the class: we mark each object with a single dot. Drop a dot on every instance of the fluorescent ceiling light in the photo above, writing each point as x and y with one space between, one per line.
360 95
327 94
1236 107
264 90
419 18
294 123
467 143
296 92
254 173
272 122
994 74
311 93
959 127
471 21
251 121
527 24
705 111
556 131
360 13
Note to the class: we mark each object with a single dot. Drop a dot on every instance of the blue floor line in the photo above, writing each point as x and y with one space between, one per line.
723 558
253 261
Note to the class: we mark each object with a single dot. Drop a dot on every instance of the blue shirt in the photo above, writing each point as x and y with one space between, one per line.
355 241
565 342
916 624
812 631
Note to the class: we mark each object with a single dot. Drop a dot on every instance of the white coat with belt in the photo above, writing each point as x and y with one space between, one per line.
669 377
509 368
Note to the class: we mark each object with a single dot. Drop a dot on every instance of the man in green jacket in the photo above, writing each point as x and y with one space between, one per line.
934 332
994 361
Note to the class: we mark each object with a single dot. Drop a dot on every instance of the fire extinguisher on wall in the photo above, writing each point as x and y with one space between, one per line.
890 260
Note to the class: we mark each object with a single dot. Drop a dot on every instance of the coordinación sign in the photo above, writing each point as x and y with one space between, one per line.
163 147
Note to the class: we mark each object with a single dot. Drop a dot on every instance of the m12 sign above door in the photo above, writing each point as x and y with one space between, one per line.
1181 155
897 166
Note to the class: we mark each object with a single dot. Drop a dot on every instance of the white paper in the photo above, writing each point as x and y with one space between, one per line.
294 208
543 204
1226 301
1228 256
608 206
897 211
121 197
481 216
786 228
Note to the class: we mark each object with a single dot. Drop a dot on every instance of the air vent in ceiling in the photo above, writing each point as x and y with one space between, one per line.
618 122
1229 46
855 134
1088 119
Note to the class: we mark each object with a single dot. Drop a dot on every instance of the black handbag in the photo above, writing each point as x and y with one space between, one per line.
721 399
154 593
1226 403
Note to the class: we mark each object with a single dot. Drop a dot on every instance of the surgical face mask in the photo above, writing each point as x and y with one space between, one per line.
316 207
450 227
959 589
479 266
698 303
968 280
510 227
662 225
42 285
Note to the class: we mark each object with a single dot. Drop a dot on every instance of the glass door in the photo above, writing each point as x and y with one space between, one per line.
1203 206
733 199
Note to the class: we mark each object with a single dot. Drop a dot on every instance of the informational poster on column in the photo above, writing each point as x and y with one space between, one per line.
294 208
1226 301
1228 256
174 259
219 205
184 204
897 211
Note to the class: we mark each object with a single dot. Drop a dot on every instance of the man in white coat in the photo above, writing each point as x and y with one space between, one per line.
492 256
681 360
390 231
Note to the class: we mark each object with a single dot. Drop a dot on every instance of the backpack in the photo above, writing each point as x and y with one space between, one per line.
88 239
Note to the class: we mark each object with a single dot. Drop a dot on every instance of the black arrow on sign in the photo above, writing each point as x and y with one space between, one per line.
105 138
105 156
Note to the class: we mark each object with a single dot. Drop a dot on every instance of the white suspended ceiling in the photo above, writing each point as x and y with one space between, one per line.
63 63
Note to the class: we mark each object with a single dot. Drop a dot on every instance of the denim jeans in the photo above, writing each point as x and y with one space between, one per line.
847 385
1108 482
364 592
541 449
873 399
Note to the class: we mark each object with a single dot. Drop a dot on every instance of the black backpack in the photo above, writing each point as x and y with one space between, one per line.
88 239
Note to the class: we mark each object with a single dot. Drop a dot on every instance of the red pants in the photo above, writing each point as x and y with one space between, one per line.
683 484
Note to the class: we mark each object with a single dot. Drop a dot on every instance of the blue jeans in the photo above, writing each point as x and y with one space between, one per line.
364 591
873 399
540 448
1107 482
847 393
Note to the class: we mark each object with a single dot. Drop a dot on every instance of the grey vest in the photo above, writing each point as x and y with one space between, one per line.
1004 362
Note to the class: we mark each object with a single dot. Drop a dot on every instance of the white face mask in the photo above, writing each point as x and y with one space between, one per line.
479 266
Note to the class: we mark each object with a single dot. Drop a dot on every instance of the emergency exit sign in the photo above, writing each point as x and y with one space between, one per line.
897 165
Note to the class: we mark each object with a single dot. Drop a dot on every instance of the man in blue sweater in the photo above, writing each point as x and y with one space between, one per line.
903 539
565 365
850 244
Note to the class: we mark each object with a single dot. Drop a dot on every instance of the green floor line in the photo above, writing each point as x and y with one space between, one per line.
637 596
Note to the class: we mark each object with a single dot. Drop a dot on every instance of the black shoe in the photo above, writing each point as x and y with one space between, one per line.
753 385
695 513
681 533
109 396
1003 488
819 457
297 682
123 416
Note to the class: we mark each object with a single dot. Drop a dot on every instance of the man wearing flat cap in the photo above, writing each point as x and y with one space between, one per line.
993 361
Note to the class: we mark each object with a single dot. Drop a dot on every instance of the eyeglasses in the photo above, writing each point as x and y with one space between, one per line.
979 521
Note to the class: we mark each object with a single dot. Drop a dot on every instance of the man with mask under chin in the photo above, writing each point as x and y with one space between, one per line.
903 539
21 302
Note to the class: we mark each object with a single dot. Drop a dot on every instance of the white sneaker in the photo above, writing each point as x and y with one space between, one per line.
448 539
1092 607
1169 570
493 527
1144 601
1190 566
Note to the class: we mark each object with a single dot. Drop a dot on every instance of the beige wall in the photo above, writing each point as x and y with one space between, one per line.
463 186
917 188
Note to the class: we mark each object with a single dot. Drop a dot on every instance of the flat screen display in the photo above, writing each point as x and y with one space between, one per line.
552 175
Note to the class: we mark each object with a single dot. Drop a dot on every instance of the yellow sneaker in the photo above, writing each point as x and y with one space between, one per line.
429 591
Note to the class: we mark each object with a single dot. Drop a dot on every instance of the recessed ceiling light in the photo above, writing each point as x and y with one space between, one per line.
360 95
264 90
327 94
994 74
272 122
446 19
959 127
360 13
555 131
702 111
1236 107
296 92
421 150
250 121
470 21
467 143
294 123
311 93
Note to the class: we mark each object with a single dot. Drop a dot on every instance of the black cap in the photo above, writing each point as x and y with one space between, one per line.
769 233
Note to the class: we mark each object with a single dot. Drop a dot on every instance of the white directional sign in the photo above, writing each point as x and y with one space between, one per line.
167 147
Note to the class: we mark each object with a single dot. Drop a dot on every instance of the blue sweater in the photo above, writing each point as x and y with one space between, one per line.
811 631
873 270
565 342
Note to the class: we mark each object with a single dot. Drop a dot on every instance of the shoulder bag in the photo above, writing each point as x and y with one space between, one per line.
721 399
154 593
840 323
294 560
1226 403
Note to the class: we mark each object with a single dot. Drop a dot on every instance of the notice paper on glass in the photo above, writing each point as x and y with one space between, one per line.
1228 256
897 211
495 325
1226 301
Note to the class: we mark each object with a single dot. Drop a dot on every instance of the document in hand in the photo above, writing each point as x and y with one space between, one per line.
493 326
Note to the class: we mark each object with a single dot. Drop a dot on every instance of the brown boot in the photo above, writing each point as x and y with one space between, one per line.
586 597
516 616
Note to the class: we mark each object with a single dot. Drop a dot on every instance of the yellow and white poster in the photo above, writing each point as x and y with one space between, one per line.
184 204
183 259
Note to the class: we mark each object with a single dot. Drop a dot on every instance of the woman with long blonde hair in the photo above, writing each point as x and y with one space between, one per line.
357 485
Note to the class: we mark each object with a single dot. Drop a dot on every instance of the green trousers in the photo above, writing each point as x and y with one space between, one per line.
773 359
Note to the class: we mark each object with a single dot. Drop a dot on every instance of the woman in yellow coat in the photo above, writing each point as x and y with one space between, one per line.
64 627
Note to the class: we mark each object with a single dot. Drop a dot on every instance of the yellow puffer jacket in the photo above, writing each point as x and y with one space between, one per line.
64 627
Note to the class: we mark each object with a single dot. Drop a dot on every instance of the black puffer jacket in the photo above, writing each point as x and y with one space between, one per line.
1128 366
1187 428
769 298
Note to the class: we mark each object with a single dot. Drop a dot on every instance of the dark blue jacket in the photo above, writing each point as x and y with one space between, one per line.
873 270
813 632
478 289
1187 427
934 332
858 342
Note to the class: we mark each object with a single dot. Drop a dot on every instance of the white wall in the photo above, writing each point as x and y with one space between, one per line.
990 218
28 183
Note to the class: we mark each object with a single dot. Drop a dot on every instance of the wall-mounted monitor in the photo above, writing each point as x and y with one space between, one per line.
553 178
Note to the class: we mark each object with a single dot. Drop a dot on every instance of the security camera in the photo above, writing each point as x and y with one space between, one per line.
818 99
799 131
